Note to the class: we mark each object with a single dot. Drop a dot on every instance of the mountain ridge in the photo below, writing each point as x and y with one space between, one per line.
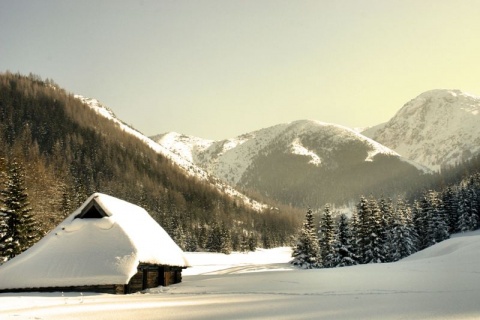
438 128
308 145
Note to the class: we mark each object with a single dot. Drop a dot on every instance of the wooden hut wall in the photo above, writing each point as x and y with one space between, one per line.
107 288
172 275
152 276
136 282
147 276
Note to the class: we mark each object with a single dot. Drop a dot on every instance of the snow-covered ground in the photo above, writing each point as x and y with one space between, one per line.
441 282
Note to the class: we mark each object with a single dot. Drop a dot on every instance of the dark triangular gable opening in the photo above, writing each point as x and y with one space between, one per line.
93 210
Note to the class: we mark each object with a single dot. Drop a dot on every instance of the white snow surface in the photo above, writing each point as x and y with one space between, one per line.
298 148
437 128
441 282
94 251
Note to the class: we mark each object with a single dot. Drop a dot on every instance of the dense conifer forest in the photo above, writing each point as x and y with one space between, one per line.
64 152
386 230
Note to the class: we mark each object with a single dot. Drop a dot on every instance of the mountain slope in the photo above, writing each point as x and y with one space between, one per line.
298 163
70 149
437 128
184 163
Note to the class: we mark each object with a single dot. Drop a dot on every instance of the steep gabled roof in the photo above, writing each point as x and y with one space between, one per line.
92 210
102 242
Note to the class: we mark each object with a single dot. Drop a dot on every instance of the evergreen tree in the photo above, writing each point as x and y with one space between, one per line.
419 222
252 242
411 232
343 249
219 239
435 220
191 243
475 185
244 243
369 232
306 253
450 207
377 235
225 240
326 238
19 228
214 241
354 232
3 238
203 237
66 207
362 230
467 216
403 232
385 231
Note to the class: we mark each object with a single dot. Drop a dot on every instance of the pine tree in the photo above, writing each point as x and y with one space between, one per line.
377 234
354 232
203 237
243 243
435 222
475 185
362 230
306 253
326 238
3 238
252 242
369 232
344 254
419 222
403 232
225 240
66 207
191 244
411 232
450 207
467 216
19 228
385 231
214 240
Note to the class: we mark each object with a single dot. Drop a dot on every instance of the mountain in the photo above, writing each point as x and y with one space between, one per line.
184 163
300 163
69 147
436 129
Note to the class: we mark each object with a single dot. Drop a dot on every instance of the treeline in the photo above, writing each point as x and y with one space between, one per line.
68 152
381 230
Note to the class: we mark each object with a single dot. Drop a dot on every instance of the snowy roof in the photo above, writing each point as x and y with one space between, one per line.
100 245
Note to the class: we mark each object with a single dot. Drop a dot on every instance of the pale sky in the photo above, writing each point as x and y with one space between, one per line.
217 69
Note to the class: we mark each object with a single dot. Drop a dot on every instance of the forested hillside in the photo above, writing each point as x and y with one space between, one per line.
66 152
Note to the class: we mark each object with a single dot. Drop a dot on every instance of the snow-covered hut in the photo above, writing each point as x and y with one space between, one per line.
107 245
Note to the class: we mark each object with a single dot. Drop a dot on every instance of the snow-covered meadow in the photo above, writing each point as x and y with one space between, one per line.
441 282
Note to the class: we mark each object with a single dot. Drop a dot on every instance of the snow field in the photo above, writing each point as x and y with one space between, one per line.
441 282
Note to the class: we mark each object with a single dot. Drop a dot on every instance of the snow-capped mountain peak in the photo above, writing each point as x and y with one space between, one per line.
437 128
